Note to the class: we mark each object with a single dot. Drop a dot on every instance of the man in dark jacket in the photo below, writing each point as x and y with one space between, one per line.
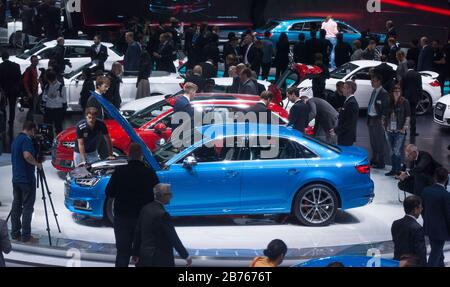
326 119
183 104
319 80
113 93
348 116
248 86
300 52
387 74
131 187
407 234
376 114
209 69
412 91
425 61
133 53
59 53
436 216
421 172
313 46
156 236
260 112
99 52
298 115
343 51
10 78
197 78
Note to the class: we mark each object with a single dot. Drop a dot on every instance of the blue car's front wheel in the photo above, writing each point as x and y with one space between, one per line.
315 205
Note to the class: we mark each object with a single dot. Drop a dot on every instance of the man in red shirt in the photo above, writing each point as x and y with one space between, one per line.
31 86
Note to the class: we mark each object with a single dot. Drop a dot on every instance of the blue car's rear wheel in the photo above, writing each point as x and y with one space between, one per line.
109 211
315 205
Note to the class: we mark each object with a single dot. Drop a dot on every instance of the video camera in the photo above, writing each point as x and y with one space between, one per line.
43 140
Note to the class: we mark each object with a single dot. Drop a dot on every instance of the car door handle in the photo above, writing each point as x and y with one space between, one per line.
293 171
232 173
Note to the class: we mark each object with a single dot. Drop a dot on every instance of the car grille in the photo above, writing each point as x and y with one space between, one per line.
439 111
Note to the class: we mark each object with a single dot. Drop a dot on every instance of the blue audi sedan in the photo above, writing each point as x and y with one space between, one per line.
304 26
240 169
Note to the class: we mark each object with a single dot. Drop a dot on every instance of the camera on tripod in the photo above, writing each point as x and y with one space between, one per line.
43 140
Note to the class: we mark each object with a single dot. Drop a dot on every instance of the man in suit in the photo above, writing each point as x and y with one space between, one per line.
131 187
182 107
260 112
197 78
300 53
10 77
250 52
5 243
259 87
376 114
425 61
387 74
166 54
235 86
209 69
412 91
436 216
133 53
156 236
298 115
407 233
99 52
421 173
59 53
313 46
348 116
326 119
248 86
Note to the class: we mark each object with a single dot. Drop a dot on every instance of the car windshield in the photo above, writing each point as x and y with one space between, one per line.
78 71
269 25
324 144
168 151
342 71
142 117
31 52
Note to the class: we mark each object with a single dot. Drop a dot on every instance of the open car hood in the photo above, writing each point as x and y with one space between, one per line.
115 114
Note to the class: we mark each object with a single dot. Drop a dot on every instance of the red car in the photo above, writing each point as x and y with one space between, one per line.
152 124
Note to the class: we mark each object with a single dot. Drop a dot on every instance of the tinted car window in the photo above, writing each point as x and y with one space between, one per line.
32 51
77 52
228 149
277 148
148 114
296 27
46 54
343 28
343 71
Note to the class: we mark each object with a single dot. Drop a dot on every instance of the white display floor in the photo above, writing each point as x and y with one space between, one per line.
364 225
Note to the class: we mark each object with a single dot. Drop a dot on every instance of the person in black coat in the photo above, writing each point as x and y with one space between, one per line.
197 78
211 50
319 80
313 46
87 89
59 52
133 53
99 52
261 112
422 169
282 55
10 78
436 216
407 233
387 74
298 115
209 69
337 99
113 93
413 52
248 85
165 55
231 47
156 236
425 61
412 91
131 187
300 52
348 116
343 51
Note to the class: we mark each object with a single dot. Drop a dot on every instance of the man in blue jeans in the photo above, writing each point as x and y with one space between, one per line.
23 159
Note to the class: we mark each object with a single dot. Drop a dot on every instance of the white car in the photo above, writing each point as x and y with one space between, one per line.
442 111
359 72
77 52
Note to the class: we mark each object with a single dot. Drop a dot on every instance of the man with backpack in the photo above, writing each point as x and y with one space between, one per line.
30 83
55 102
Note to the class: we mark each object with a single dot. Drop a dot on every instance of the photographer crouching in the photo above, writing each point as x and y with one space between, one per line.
23 158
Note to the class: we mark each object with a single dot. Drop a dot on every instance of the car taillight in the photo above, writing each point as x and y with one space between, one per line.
435 83
363 169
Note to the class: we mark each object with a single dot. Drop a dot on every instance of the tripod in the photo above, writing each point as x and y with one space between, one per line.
44 188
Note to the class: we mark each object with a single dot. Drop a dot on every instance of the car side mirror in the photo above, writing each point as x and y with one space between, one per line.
160 127
189 162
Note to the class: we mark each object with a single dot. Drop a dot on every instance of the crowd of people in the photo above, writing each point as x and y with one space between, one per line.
143 228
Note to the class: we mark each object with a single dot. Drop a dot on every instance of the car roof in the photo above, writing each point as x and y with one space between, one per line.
305 19
370 63
242 129
73 42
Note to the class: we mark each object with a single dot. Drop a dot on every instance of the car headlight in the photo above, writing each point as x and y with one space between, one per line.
89 182
70 145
